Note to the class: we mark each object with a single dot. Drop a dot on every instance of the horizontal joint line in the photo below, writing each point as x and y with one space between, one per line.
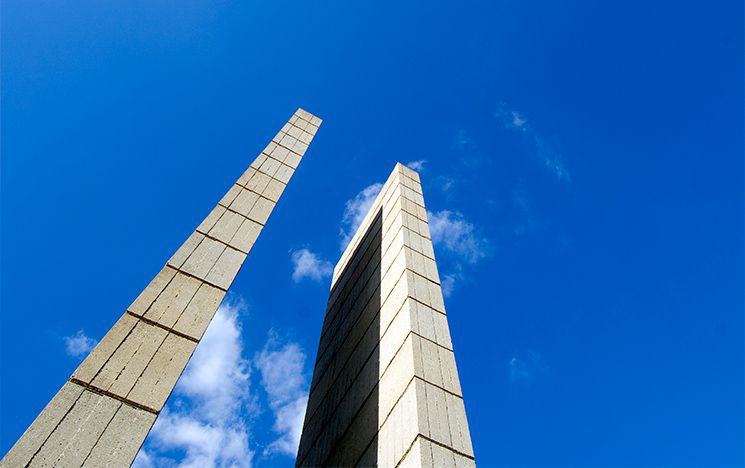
160 325
106 393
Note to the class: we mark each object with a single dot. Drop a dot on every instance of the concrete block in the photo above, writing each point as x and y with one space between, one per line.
274 190
211 219
198 314
31 441
244 202
441 456
246 177
394 335
292 160
258 183
417 456
120 373
73 439
427 354
173 300
151 292
263 156
459 433
246 235
88 369
442 331
422 321
284 173
226 226
303 114
396 377
270 166
450 379
178 259
122 438
437 414
300 147
204 257
261 210
230 195
280 153
226 268
159 377
295 132
288 141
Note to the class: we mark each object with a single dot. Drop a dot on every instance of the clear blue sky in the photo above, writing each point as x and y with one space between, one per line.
584 161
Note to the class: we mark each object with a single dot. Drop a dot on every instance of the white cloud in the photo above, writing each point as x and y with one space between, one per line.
448 284
417 165
457 235
518 120
78 345
551 160
545 152
355 211
307 264
525 368
204 422
462 141
282 369
446 183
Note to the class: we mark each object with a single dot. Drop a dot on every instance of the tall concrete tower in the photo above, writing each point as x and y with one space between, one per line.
385 389
104 411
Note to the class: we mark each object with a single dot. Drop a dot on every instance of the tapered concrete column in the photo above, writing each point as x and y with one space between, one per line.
103 413
385 389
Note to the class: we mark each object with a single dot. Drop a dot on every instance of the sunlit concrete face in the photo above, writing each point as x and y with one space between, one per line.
385 389
103 413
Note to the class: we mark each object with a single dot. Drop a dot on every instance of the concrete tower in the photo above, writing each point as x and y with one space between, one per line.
385 389
103 413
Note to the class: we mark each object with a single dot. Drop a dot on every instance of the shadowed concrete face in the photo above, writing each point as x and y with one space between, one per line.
385 388
103 413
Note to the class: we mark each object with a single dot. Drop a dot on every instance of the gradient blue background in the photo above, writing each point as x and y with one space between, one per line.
622 293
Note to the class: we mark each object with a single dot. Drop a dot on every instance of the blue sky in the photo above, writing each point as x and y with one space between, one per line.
582 163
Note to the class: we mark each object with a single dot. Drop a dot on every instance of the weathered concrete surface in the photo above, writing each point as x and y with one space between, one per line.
385 388
102 415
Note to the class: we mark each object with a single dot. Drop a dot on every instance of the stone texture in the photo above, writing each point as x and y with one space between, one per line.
385 388
102 415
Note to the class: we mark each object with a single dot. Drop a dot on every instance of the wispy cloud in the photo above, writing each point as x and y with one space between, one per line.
282 369
457 235
417 165
445 183
307 264
461 241
462 140
447 283
526 219
79 345
355 211
526 367
204 423
549 156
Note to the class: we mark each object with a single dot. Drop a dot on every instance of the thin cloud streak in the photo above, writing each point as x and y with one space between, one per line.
550 158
